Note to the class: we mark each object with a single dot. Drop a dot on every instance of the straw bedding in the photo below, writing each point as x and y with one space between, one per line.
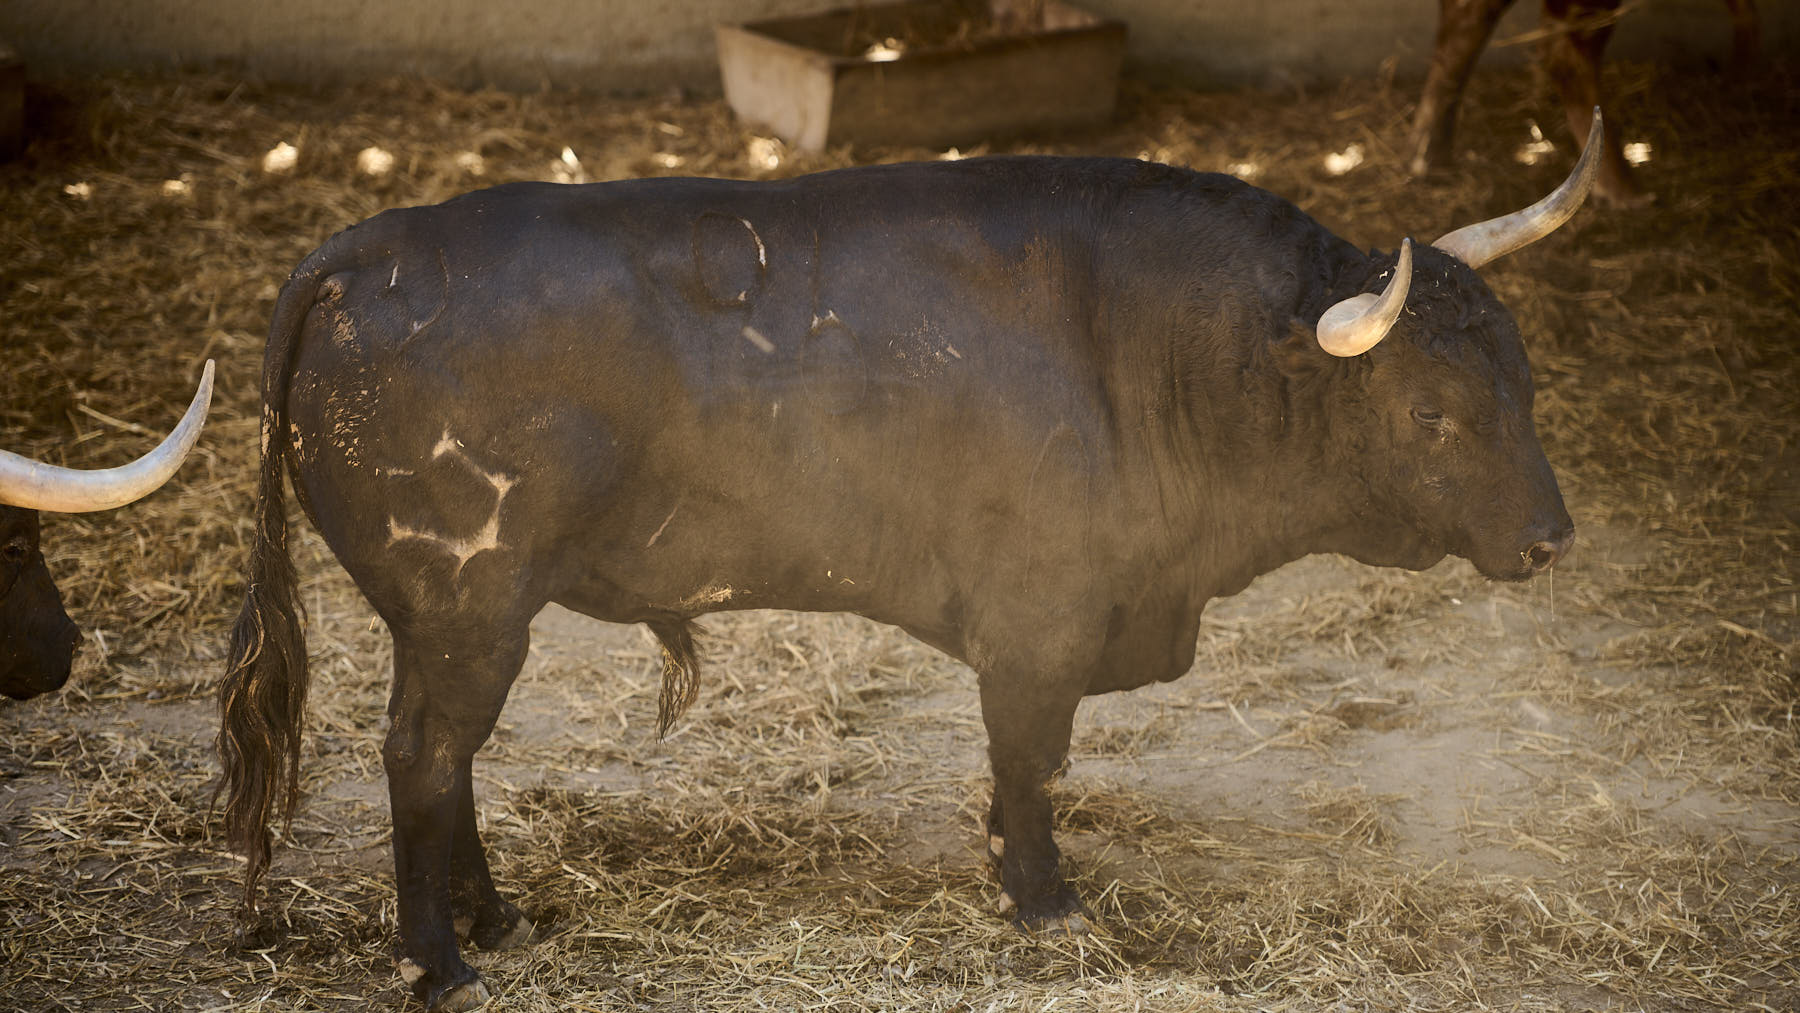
1377 790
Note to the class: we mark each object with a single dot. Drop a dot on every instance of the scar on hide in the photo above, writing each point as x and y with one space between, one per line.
833 366
730 259
461 549
755 337
762 253
418 327
660 527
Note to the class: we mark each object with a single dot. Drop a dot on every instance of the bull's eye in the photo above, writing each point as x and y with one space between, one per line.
15 553
1429 418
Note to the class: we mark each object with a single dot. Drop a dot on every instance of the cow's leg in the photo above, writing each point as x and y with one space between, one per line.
1028 725
448 691
1572 51
1746 36
480 913
1462 33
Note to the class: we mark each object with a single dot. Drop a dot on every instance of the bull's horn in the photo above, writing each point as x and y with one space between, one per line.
1477 244
38 486
1356 324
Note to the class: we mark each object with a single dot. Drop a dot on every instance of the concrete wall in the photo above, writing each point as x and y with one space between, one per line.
640 45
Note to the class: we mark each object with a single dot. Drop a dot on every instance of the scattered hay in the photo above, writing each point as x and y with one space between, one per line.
806 838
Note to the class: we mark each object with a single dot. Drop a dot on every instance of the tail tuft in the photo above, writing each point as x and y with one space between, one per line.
680 672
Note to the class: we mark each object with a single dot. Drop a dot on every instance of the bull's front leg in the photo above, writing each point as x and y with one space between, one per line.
1029 719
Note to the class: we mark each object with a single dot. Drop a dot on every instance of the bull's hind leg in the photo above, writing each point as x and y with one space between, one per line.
480 914
449 685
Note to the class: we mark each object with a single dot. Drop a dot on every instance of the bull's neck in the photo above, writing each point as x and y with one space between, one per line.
1253 475
1261 506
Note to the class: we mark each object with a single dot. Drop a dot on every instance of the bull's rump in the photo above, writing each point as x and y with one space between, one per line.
864 391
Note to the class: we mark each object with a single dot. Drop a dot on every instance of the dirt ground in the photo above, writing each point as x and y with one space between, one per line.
1377 790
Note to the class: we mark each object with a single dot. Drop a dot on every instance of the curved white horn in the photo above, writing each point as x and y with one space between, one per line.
1477 244
38 486
1357 324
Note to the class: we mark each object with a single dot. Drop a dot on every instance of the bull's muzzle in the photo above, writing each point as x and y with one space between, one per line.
42 661
1545 552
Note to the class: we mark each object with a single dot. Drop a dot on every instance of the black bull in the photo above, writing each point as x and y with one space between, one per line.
1036 412
37 640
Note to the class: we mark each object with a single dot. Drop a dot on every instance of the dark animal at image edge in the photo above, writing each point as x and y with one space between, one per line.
1035 411
37 640
1571 42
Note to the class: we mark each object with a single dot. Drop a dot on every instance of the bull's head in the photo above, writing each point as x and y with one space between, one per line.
37 640
1451 461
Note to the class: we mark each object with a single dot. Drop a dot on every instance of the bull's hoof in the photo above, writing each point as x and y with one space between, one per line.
458 998
499 928
1071 924
1056 916
504 936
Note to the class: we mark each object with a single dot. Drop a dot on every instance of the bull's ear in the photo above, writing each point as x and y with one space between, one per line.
1298 353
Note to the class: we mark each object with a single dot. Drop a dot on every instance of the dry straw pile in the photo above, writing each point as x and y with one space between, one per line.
1620 831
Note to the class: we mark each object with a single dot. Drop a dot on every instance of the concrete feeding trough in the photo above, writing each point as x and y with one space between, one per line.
927 72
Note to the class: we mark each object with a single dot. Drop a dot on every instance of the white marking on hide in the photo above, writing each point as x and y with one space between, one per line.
394 279
755 337
707 596
463 549
410 972
664 524
762 254
447 444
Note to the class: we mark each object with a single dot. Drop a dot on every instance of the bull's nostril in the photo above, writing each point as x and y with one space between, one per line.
1543 555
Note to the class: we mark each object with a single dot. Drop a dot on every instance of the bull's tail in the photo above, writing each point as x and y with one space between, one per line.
262 697
680 671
